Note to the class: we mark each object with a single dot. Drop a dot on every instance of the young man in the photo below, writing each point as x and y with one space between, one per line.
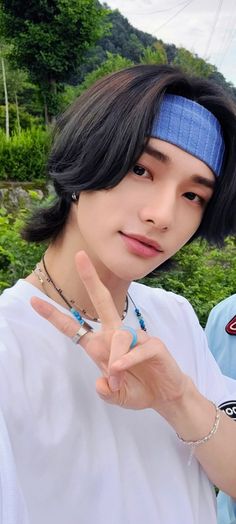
221 335
143 162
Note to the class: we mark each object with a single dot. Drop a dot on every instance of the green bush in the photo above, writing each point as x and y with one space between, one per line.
17 257
25 119
203 274
23 156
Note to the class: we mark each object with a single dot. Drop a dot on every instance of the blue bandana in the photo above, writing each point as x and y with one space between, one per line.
190 126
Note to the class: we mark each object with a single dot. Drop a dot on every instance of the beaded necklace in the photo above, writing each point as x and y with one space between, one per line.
71 303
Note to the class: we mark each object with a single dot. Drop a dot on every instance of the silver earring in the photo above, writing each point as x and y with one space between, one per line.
74 196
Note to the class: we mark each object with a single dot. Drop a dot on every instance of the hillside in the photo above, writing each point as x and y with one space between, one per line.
129 42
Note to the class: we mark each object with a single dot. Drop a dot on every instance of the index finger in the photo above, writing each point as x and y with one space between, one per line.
98 293
63 322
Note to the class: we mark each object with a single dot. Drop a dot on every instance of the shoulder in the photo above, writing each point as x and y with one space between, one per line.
228 304
15 301
223 312
167 304
221 331
17 317
159 295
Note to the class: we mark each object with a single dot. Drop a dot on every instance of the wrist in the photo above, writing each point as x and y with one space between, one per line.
191 415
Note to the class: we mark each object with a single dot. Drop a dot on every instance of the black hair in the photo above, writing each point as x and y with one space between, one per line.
101 136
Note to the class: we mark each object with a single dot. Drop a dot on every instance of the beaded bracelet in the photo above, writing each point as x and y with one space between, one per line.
195 443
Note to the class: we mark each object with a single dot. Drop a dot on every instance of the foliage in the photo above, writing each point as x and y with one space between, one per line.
50 39
26 120
19 86
23 156
17 258
16 79
191 63
129 42
30 98
219 79
67 97
154 55
123 40
111 64
204 274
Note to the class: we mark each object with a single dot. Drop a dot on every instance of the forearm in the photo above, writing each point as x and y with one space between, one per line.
192 416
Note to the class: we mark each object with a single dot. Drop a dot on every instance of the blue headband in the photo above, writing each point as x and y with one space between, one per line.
191 127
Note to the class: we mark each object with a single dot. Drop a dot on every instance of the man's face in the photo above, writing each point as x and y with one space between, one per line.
134 227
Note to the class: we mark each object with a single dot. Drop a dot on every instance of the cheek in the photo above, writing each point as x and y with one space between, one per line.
191 218
187 233
94 214
188 225
89 208
104 207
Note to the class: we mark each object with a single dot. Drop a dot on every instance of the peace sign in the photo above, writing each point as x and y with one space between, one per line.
145 377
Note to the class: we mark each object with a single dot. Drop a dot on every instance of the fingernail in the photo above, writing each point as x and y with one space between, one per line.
114 383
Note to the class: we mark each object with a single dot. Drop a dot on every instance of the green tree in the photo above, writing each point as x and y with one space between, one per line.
191 63
50 39
156 54
111 64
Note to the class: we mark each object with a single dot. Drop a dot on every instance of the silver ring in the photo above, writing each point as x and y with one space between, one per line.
80 333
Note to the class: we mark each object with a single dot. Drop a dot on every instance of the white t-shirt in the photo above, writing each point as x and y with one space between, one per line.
12 506
81 460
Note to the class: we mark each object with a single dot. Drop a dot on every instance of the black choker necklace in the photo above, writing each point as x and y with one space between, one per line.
72 303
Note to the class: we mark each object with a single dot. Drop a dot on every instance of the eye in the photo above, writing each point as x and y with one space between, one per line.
141 171
194 197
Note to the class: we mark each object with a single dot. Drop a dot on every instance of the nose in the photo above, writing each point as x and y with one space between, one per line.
160 209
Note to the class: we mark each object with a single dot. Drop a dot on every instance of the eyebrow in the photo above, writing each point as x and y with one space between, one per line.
198 179
157 154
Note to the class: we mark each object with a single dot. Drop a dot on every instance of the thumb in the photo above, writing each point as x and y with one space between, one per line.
105 393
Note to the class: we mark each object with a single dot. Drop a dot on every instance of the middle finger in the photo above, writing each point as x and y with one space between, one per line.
121 342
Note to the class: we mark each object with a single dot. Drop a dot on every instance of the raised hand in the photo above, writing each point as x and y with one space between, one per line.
146 376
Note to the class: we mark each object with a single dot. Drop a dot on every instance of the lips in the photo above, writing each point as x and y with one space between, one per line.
141 245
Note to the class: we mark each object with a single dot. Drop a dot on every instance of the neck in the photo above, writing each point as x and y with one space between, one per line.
60 264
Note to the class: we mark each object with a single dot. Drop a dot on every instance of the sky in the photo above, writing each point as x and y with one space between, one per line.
204 27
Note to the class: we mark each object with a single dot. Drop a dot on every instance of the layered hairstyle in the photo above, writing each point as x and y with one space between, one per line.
102 135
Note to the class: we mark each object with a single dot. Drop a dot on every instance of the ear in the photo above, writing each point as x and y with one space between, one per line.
74 196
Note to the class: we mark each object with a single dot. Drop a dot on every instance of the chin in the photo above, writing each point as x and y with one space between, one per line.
130 274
